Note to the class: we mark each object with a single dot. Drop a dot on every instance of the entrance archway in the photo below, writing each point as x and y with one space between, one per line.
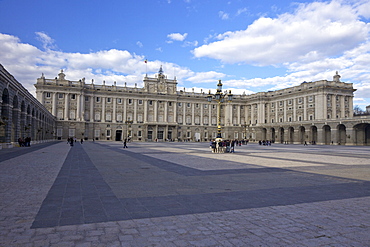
290 135
273 135
313 134
341 134
326 134
362 134
302 135
118 135
281 135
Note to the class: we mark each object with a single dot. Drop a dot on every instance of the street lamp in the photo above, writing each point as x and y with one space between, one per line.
128 124
219 97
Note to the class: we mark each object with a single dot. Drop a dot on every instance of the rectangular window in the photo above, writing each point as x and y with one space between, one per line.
188 104
139 133
48 95
108 133
150 102
130 101
119 101
73 96
72 132
98 99
179 104
109 100
140 101
60 95
86 98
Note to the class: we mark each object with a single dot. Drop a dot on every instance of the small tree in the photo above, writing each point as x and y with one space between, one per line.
357 110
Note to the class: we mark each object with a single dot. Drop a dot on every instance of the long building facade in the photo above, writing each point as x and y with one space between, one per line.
319 112
21 114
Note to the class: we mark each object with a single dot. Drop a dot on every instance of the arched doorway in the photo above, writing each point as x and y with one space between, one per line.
4 124
118 135
326 134
341 134
362 134
273 135
313 134
291 135
302 135
281 130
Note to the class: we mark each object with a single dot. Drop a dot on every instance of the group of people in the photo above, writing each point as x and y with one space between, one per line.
265 143
224 146
72 140
26 142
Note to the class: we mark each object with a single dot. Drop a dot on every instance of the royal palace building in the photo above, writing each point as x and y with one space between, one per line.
319 112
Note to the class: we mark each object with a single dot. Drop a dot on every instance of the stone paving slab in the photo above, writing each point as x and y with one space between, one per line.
98 194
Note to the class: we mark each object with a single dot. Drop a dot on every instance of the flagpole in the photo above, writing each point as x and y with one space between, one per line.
146 67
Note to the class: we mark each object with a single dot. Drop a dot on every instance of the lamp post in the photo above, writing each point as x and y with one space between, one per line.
128 124
219 97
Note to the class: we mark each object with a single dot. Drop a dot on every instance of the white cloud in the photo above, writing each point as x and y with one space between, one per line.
223 15
241 11
313 31
139 44
204 77
177 36
47 42
26 63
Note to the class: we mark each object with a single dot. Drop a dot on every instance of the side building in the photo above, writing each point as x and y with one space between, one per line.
21 114
319 112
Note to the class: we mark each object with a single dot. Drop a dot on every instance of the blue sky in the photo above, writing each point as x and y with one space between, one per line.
251 46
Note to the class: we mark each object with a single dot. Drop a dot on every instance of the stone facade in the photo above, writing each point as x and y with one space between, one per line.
319 112
21 114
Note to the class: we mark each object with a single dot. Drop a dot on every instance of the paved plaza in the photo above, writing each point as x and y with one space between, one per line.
181 194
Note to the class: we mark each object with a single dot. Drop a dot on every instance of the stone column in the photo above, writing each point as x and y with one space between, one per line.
155 117
165 119
54 105
342 107
239 115
284 117
175 113
66 107
114 117
305 108
294 109
135 111
276 108
201 114
252 114
103 99
334 106
145 102
78 113
350 105
92 114
124 110
192 114
82 114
